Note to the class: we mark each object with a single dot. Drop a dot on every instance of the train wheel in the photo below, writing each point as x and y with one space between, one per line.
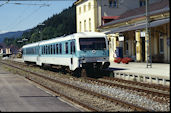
83 73
77 72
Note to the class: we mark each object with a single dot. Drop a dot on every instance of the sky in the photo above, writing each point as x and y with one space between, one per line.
28 14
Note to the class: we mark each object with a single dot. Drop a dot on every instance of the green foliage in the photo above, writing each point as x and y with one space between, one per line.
9 41
58 25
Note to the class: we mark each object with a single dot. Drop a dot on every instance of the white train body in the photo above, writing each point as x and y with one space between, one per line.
75 51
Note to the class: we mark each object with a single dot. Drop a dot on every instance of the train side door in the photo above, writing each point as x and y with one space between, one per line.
72 50
38 54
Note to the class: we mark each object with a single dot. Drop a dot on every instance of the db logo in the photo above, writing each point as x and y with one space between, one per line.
93 51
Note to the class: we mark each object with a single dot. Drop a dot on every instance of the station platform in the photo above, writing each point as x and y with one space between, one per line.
159 73
17 94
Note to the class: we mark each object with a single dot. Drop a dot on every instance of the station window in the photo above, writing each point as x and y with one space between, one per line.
80 26
161 42
89 6
79 10
90 24
84 8
113 3
85 25
142 3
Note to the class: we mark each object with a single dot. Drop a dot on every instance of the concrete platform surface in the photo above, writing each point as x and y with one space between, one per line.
158 69
18 94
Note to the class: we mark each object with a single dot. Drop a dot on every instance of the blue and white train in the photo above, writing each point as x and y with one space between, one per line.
79 50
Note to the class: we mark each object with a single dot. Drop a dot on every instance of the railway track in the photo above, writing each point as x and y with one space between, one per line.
109 98
153 89
161 95
138 84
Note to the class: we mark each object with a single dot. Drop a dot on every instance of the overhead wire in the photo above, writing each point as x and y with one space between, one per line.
4 3
20 15
29 4
34 17
28 16
21 20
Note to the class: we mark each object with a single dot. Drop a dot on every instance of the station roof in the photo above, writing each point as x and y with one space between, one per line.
110 17
77 2
137 26
155 8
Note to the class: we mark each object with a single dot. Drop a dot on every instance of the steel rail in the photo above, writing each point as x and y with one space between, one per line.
158 87
128 87
63 95
122 103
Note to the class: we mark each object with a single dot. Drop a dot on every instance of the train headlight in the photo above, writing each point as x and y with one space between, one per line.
83 60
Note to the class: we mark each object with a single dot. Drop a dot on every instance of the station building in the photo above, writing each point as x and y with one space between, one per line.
124 22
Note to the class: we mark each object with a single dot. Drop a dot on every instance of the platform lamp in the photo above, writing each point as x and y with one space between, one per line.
40 29
149 57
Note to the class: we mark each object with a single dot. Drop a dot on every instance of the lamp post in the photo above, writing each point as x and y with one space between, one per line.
40 29
148 36
22 41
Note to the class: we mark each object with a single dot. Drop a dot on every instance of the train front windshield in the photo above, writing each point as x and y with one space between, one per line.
92 43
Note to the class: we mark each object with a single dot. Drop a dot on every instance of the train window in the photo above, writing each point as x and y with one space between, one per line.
71 47
92 43
66 47
42 50
60 48
73 42
49 50
34 50
56 48
46 49
53 49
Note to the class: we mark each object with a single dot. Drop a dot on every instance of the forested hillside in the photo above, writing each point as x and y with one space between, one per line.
60 24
